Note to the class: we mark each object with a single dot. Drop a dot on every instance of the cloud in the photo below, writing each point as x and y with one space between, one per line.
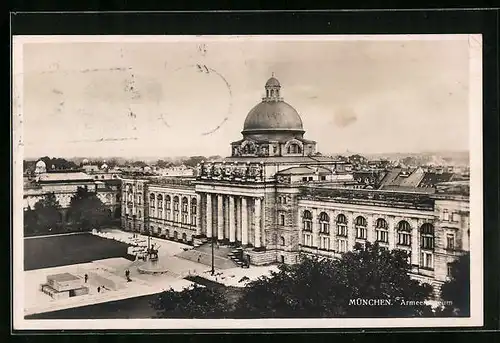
344 117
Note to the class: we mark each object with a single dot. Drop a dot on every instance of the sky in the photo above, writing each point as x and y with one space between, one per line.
90 99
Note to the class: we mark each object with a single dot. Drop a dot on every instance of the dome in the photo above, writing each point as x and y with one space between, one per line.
273 82
40 164
85 161
273 116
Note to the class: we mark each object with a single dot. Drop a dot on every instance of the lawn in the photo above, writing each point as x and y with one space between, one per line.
55 251
132 308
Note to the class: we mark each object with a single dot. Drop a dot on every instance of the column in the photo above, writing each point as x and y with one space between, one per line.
172 207
258 217
220 218
315 228
156 206
415 248
237 209
392 232
209 228
225 201
198 214
351 231
244 221
231 217
164 207
189 210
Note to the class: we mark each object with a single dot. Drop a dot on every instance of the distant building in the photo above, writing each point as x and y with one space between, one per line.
64 185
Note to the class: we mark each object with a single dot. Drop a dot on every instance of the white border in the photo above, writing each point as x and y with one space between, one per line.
476 202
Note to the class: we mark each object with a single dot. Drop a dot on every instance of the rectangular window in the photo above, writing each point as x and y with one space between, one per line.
160 212
446 215
404 238
360 232
448 269
455 217
426 260
307 240
450 241
324 243
324 228
342 230
304 178
342 245
427 242
282 219
382 236
310 178
323 177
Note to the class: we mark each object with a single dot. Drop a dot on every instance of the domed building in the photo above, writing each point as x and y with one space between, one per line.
40 167
275 198
273 128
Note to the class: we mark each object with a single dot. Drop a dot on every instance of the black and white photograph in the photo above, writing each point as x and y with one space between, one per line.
195 182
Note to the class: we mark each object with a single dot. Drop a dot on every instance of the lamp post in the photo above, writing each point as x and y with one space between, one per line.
213 270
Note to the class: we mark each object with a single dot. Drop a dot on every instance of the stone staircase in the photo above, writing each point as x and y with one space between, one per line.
236 255
203 254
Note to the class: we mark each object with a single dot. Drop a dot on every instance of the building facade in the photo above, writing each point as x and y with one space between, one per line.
64 185
278 198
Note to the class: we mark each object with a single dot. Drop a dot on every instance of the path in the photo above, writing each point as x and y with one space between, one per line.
58 234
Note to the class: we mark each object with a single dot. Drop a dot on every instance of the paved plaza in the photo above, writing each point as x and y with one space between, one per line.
112 272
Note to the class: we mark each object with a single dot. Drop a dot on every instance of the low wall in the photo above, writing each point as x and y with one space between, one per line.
95 278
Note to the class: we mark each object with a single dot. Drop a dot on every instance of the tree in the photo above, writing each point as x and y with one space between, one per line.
194 160
47 212
30 222
338 288
457 289
87 209
373 273
191 302
161 164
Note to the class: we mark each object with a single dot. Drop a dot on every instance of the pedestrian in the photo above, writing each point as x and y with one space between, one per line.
199 258
99 289
86 278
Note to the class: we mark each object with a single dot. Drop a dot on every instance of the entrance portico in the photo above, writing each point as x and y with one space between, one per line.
231 214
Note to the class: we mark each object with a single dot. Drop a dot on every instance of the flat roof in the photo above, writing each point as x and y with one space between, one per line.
62 277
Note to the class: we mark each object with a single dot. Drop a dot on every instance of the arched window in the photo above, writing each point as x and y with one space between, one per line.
152 200
427 236
194 208
176 209
382 232
184 210
307 220
282 241
427 245
404 233
159 198
341 225
360 224
294 148
307 238
167 207
324 223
